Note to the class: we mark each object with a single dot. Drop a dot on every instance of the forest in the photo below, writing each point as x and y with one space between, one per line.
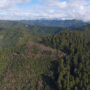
34 57
72 70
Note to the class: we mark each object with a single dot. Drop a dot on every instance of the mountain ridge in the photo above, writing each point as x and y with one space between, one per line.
59 23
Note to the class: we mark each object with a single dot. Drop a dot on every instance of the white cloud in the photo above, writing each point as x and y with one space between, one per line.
62 9
56 4
10 3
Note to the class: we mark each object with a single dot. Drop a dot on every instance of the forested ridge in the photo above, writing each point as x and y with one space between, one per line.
74 69
13 33
44 58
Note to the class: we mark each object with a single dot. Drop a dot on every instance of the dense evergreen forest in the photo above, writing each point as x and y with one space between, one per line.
73 70
36 57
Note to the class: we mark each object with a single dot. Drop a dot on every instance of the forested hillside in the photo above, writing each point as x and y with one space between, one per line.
34 29
43 58
13 33
73 70
23 67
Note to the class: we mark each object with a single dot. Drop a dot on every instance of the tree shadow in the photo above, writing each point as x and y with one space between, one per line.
54 69
51 81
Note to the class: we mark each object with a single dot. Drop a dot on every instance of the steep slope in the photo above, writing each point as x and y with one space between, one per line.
15 36
74 69
27 64
13 33
24 66
33 29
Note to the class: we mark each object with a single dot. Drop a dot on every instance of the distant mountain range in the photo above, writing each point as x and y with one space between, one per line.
57 23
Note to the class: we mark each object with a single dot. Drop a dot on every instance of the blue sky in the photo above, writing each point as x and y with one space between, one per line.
47 9
33 2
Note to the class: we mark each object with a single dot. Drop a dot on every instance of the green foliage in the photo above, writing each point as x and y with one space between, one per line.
26 64
23 66
74 69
